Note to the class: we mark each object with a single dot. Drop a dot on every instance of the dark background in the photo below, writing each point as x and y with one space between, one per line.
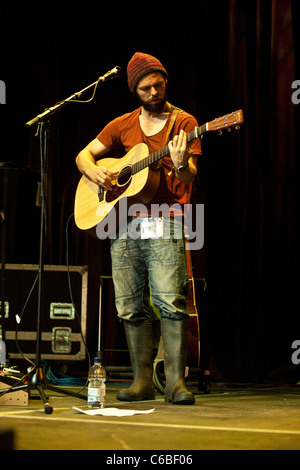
221 56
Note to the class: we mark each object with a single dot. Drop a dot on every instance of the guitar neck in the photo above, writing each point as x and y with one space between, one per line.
163 152
217 125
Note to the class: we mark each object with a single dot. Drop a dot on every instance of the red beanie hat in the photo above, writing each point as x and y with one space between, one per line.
142 64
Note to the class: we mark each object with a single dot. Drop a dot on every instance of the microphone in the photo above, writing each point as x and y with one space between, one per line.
111 74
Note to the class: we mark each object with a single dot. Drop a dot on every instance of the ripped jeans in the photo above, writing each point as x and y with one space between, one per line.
156 263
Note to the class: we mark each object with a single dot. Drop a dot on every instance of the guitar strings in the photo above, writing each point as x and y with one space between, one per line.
157 155
194 134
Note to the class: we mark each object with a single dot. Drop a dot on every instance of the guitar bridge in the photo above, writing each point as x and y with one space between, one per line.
100 193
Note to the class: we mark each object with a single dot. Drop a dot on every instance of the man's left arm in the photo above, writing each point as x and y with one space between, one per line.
185 163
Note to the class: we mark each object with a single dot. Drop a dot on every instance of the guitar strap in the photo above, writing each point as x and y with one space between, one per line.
175 111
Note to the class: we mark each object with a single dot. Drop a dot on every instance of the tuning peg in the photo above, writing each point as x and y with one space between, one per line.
220 132
229 129
237 128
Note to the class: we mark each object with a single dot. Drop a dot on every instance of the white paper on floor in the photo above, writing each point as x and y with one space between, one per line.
112 412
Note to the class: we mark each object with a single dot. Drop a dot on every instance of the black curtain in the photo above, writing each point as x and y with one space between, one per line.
221 56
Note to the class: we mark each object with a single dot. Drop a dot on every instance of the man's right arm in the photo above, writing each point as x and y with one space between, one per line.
86 163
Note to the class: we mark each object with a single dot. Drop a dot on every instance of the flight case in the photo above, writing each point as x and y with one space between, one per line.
63 323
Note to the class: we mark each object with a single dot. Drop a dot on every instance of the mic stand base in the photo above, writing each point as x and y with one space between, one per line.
38 383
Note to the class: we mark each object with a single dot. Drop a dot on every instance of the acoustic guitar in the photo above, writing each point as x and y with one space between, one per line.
136 181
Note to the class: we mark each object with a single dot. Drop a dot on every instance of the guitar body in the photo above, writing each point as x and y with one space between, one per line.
93 205
193 353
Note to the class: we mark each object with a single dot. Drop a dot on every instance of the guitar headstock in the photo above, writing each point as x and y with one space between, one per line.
228 121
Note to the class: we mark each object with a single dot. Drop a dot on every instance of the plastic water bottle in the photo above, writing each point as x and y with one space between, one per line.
96 386
2 353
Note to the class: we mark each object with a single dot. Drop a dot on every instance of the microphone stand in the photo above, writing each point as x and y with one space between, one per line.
74 98
37 380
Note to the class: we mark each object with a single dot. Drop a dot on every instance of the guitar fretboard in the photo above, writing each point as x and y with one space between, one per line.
163 152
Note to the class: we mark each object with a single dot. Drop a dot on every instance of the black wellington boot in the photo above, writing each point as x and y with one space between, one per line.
175 341
139 337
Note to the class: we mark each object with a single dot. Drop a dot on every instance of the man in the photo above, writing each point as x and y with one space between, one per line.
152 258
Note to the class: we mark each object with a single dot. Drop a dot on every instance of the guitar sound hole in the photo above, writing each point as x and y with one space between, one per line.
124 175
123 181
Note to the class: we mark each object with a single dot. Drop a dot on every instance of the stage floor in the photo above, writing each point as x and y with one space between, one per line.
231 417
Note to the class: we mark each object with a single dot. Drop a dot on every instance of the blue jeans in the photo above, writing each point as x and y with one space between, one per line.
160 264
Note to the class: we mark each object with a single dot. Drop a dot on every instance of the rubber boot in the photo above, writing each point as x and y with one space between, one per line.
139 337
175 341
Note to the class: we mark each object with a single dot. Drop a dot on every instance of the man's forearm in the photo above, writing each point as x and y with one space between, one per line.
85 161
188 175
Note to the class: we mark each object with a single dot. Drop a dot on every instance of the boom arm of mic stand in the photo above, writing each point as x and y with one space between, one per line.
57 106
41 117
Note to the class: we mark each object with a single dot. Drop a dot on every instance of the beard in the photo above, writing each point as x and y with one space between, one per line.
154 106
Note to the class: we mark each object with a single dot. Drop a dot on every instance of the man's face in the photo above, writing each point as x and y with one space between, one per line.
151 92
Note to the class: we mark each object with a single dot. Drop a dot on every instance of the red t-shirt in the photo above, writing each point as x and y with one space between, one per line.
125 132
